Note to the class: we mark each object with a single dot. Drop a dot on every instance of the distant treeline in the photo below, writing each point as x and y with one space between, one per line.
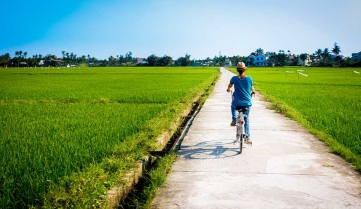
320 58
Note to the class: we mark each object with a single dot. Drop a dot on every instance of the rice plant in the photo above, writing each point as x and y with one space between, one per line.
64 130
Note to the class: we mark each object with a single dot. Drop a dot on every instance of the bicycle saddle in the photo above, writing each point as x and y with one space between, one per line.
242 109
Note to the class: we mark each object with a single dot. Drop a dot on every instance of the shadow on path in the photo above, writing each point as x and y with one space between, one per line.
215 149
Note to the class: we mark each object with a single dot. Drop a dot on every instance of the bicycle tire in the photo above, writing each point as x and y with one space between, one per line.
241 143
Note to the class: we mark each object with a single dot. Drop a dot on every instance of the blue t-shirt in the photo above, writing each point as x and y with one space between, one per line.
242 91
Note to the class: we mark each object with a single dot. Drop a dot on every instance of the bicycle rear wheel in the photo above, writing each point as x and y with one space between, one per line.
241 143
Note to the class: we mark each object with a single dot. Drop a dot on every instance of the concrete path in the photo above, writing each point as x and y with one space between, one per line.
286 167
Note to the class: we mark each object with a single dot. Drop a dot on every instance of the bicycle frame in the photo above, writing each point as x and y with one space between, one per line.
240 123
240 133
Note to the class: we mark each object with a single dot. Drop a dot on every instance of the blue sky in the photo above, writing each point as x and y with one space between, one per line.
201 28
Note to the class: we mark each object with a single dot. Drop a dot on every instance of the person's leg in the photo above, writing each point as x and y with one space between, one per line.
246 123
234 115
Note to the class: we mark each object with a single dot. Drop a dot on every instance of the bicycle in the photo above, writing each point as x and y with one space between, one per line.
240 133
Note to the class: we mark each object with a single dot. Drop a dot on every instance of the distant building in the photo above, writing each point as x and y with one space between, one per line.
261 60
209 63
228 62
195 64
356 57
258 60
307 61
141 61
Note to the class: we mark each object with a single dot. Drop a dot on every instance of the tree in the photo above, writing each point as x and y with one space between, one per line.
128 56
34 60
325 56
112 61
259 51
236 59
251 61
4 59
152 60
165 61
121 59
292 59
184 61
281 58
273 58
303 57
318 53
17 53
336 49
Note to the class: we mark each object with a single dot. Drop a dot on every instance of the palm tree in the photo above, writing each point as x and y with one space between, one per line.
34 59
318 53
325 55
7 56
336 49
17 54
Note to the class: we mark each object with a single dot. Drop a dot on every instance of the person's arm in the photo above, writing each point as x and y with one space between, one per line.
229 87
253 91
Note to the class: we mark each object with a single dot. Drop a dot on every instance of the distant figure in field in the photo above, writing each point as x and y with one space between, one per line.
242 96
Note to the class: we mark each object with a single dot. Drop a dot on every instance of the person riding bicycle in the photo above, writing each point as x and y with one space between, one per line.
242 96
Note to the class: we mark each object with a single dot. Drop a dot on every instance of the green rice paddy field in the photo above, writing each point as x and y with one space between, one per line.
66 135
327 102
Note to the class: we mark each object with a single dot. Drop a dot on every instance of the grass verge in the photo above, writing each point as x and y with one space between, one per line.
334 145
142 197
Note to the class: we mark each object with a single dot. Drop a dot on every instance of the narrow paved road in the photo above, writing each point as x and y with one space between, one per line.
286 167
